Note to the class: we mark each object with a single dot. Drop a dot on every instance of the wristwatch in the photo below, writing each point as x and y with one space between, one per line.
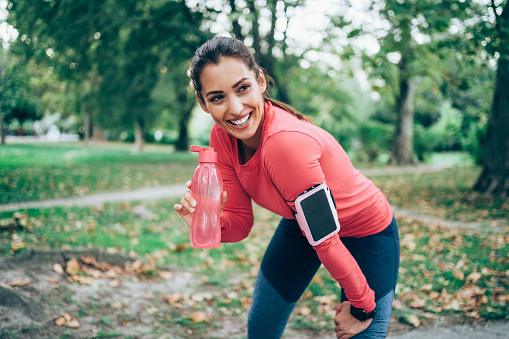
361 314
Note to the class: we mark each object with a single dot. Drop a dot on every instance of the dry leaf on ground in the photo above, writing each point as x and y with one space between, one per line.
197 317
20 282
72 266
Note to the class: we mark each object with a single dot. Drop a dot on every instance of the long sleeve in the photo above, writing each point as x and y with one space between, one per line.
237 214
292 162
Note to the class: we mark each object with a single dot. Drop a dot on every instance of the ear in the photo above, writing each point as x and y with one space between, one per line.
202 104
262 81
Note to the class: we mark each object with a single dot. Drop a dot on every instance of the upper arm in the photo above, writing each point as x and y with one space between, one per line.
292 162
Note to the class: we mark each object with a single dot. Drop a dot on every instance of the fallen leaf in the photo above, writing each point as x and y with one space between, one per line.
166 275
427 288
88 260
116 305
20 282
473 314
304 311
58 268
82 280
110 274
67 320
172 298
73 323
197 317
459 275
53 280
397 304
72 267
246 302
413 320
60 321
115 283
417 303
474 277
18 245
181 247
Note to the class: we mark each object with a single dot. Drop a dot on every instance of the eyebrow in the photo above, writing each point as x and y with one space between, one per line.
234 85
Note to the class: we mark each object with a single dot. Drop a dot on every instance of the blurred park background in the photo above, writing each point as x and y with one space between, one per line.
94 98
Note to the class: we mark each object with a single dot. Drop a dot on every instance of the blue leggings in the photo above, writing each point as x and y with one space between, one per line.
290 263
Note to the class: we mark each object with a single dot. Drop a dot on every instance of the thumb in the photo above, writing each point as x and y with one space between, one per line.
224 199
341 306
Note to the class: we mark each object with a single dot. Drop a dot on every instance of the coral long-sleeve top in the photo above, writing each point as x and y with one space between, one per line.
293 156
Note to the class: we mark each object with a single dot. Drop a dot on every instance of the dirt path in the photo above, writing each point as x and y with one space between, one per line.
174 191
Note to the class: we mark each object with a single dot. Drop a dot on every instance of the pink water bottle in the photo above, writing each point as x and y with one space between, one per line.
206 188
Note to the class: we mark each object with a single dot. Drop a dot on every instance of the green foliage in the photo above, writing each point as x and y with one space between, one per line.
424 142
33 172
111 53
475 142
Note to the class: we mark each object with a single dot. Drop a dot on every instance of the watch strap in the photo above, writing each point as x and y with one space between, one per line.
361 314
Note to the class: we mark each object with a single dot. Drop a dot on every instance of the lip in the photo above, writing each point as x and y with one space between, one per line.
243 126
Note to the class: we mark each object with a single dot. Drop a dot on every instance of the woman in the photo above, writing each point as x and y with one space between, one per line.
272 154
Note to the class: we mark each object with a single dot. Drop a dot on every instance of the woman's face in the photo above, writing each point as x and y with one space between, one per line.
233 96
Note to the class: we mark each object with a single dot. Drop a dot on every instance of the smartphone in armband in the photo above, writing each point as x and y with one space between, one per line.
316 214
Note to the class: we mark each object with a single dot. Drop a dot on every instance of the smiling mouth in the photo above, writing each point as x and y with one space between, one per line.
240 122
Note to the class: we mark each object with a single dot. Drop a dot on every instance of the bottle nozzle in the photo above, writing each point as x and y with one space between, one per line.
207 154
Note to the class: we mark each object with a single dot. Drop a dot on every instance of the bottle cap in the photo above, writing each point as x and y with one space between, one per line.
206 154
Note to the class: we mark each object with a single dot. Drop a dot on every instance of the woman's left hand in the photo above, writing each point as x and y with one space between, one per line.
346 324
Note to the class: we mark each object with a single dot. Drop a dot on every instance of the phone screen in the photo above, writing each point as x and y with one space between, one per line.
318 214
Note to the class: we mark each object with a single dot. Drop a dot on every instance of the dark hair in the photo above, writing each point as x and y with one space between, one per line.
213 50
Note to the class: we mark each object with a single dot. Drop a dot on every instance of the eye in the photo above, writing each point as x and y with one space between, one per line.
244 88
215 98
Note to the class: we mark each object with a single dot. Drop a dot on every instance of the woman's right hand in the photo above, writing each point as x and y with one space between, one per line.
187 205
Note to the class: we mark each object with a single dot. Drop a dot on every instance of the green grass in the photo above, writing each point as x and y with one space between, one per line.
443 271
446 194
47 171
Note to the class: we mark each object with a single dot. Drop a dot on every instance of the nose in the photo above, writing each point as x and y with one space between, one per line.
235 105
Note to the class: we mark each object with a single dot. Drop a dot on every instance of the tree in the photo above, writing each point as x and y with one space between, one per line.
260 31
111 51
408 33
494 178
14 92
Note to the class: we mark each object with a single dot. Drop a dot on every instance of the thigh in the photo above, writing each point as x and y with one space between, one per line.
378 258
287 267
290 262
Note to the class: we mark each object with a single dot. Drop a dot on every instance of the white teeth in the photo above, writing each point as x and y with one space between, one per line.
241 122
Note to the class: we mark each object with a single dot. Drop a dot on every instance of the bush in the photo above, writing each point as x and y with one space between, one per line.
374 139
475 143
425 142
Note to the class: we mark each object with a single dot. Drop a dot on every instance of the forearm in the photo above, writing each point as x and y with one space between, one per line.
236 226
345 270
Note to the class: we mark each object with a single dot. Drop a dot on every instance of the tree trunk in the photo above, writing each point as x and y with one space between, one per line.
182 144
87 121
237 31
139 133
2 128
255 29
494 178
403 145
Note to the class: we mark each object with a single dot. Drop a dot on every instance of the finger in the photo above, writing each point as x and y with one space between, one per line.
190 199
339 307
188 204
188 184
